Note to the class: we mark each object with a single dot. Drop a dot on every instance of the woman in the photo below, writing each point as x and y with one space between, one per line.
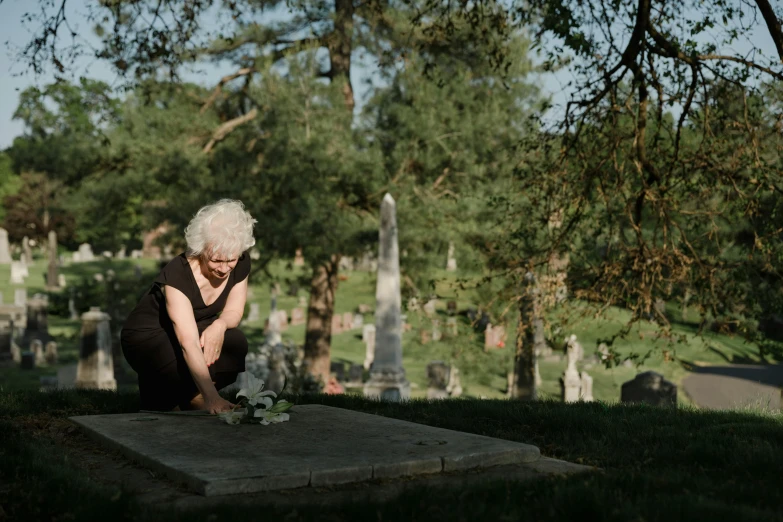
182 337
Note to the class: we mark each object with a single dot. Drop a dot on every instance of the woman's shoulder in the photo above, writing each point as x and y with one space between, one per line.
242 269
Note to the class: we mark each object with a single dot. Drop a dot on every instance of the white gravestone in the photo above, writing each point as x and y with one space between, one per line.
17 273
451 261
20 297
85 253
387 376
570 382
37 347
587 387
96 366
255 313
5 249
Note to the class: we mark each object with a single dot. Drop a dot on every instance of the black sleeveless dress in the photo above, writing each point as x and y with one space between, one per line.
151 347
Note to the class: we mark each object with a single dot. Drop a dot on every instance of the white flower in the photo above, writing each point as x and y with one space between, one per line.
269 417
231 417
253 392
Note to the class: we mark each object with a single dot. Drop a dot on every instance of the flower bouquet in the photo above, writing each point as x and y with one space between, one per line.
256 405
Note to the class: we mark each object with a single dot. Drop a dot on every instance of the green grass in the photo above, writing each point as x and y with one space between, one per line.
656 464
482 374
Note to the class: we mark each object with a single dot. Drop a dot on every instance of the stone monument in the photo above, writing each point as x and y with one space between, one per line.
570 382
650 388
438 379
387 376
26 250
451 261
5 249
368 336
96 366
52 281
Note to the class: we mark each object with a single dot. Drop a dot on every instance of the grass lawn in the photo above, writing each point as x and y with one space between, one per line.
657 464
483 374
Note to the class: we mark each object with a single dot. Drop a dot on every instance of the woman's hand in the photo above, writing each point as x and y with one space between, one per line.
217 405
212 341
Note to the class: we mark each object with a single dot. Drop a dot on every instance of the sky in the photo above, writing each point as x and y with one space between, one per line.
15 76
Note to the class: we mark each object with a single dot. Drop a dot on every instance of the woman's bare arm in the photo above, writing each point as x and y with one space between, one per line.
235 305
181 313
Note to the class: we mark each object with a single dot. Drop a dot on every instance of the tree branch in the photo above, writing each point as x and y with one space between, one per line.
224 129
773 25
219 87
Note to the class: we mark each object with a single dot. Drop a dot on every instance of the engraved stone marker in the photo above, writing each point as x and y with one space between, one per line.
5 250
96 366
387 376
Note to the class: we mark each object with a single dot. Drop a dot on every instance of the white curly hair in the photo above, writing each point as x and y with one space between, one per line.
223 228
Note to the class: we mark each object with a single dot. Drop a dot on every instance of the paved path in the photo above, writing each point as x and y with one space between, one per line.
736 385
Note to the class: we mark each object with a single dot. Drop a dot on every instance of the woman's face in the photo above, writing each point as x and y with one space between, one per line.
220 266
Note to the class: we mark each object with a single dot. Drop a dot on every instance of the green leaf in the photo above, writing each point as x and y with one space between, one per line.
280 407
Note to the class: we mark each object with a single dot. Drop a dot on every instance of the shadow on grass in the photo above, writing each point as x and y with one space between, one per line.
658 464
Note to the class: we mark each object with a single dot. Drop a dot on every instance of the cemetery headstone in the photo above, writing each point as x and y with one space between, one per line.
5 248
254 314
76 257
37 319
61 282
345 264
121 253
20 297
650 388
357 322
337 324
573 345
17 273
96 365
6 342
587 387
338 369
454 387
85 253
387 375
413 304
37 347
355 374
50 353
297 316
348 321
52 280
537 374
299 258
452 326
436 333
570 382
26 250
437 380
429 307
282 320
28 361
451 261
136 254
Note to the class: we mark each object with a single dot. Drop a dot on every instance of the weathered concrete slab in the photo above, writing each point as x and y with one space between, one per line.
319 446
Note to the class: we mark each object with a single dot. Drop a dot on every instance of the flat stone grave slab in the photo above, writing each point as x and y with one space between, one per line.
319 446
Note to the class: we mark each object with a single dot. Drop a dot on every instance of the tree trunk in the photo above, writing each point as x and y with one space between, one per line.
318 336
524 381
340 45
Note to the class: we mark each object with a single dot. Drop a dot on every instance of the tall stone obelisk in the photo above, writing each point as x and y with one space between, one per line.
387 376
